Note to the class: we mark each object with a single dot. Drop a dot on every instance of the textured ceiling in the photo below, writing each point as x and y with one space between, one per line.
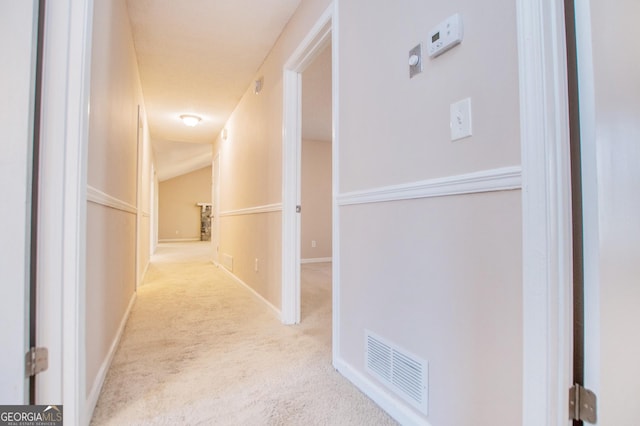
199 57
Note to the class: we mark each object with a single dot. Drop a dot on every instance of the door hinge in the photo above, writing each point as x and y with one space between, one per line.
298 208
582 404
36 361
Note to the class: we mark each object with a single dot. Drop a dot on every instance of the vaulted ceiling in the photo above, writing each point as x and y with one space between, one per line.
198 57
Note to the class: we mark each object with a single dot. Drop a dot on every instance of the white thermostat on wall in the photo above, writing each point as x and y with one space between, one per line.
446 35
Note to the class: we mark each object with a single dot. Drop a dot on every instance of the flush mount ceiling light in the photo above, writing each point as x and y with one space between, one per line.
190 119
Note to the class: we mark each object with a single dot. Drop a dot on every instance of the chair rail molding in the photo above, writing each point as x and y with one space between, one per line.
501 179
268 208
96 196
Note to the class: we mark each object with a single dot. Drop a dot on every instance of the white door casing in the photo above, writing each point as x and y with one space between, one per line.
546 206
215 211
312 45
62 222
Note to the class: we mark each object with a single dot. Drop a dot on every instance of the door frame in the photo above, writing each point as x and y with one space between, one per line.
215 210
139 210
153 227
546 213
311 46
62 224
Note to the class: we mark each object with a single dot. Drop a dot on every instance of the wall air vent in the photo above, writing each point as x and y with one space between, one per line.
227 261
404 373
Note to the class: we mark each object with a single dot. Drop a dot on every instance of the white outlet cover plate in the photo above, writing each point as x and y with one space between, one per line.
460 119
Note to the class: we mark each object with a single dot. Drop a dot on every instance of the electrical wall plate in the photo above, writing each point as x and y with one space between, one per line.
461 119
445 36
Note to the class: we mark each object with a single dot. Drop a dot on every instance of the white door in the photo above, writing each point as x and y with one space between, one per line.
609 74
18 23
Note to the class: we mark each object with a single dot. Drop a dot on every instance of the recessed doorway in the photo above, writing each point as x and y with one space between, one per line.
313 46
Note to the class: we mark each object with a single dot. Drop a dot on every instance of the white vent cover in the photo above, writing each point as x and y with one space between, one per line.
406 374
227 261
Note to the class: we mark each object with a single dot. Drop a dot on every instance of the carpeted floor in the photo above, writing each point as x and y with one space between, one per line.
200 349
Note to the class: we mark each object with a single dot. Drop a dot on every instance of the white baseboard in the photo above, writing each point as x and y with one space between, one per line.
397 409
178 240
317 260
275 310
94 394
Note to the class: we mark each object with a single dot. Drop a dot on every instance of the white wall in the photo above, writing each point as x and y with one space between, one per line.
610 108
17 34
441 277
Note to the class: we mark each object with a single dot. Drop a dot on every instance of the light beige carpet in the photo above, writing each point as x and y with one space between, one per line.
200 349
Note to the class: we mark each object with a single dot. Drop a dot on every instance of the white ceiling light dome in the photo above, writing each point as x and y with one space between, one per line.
190 120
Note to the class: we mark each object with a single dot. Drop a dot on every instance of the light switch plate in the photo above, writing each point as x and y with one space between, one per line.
460 120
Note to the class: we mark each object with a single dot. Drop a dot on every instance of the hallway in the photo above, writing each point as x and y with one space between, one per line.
198 348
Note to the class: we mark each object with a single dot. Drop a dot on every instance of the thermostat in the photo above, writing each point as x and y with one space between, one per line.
445 35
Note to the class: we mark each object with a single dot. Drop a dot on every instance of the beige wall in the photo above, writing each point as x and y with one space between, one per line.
610 108
178 214
316 200
113 158
440 277
251 167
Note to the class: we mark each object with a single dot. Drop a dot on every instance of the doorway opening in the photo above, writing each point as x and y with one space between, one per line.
316 191
311 48
215 212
